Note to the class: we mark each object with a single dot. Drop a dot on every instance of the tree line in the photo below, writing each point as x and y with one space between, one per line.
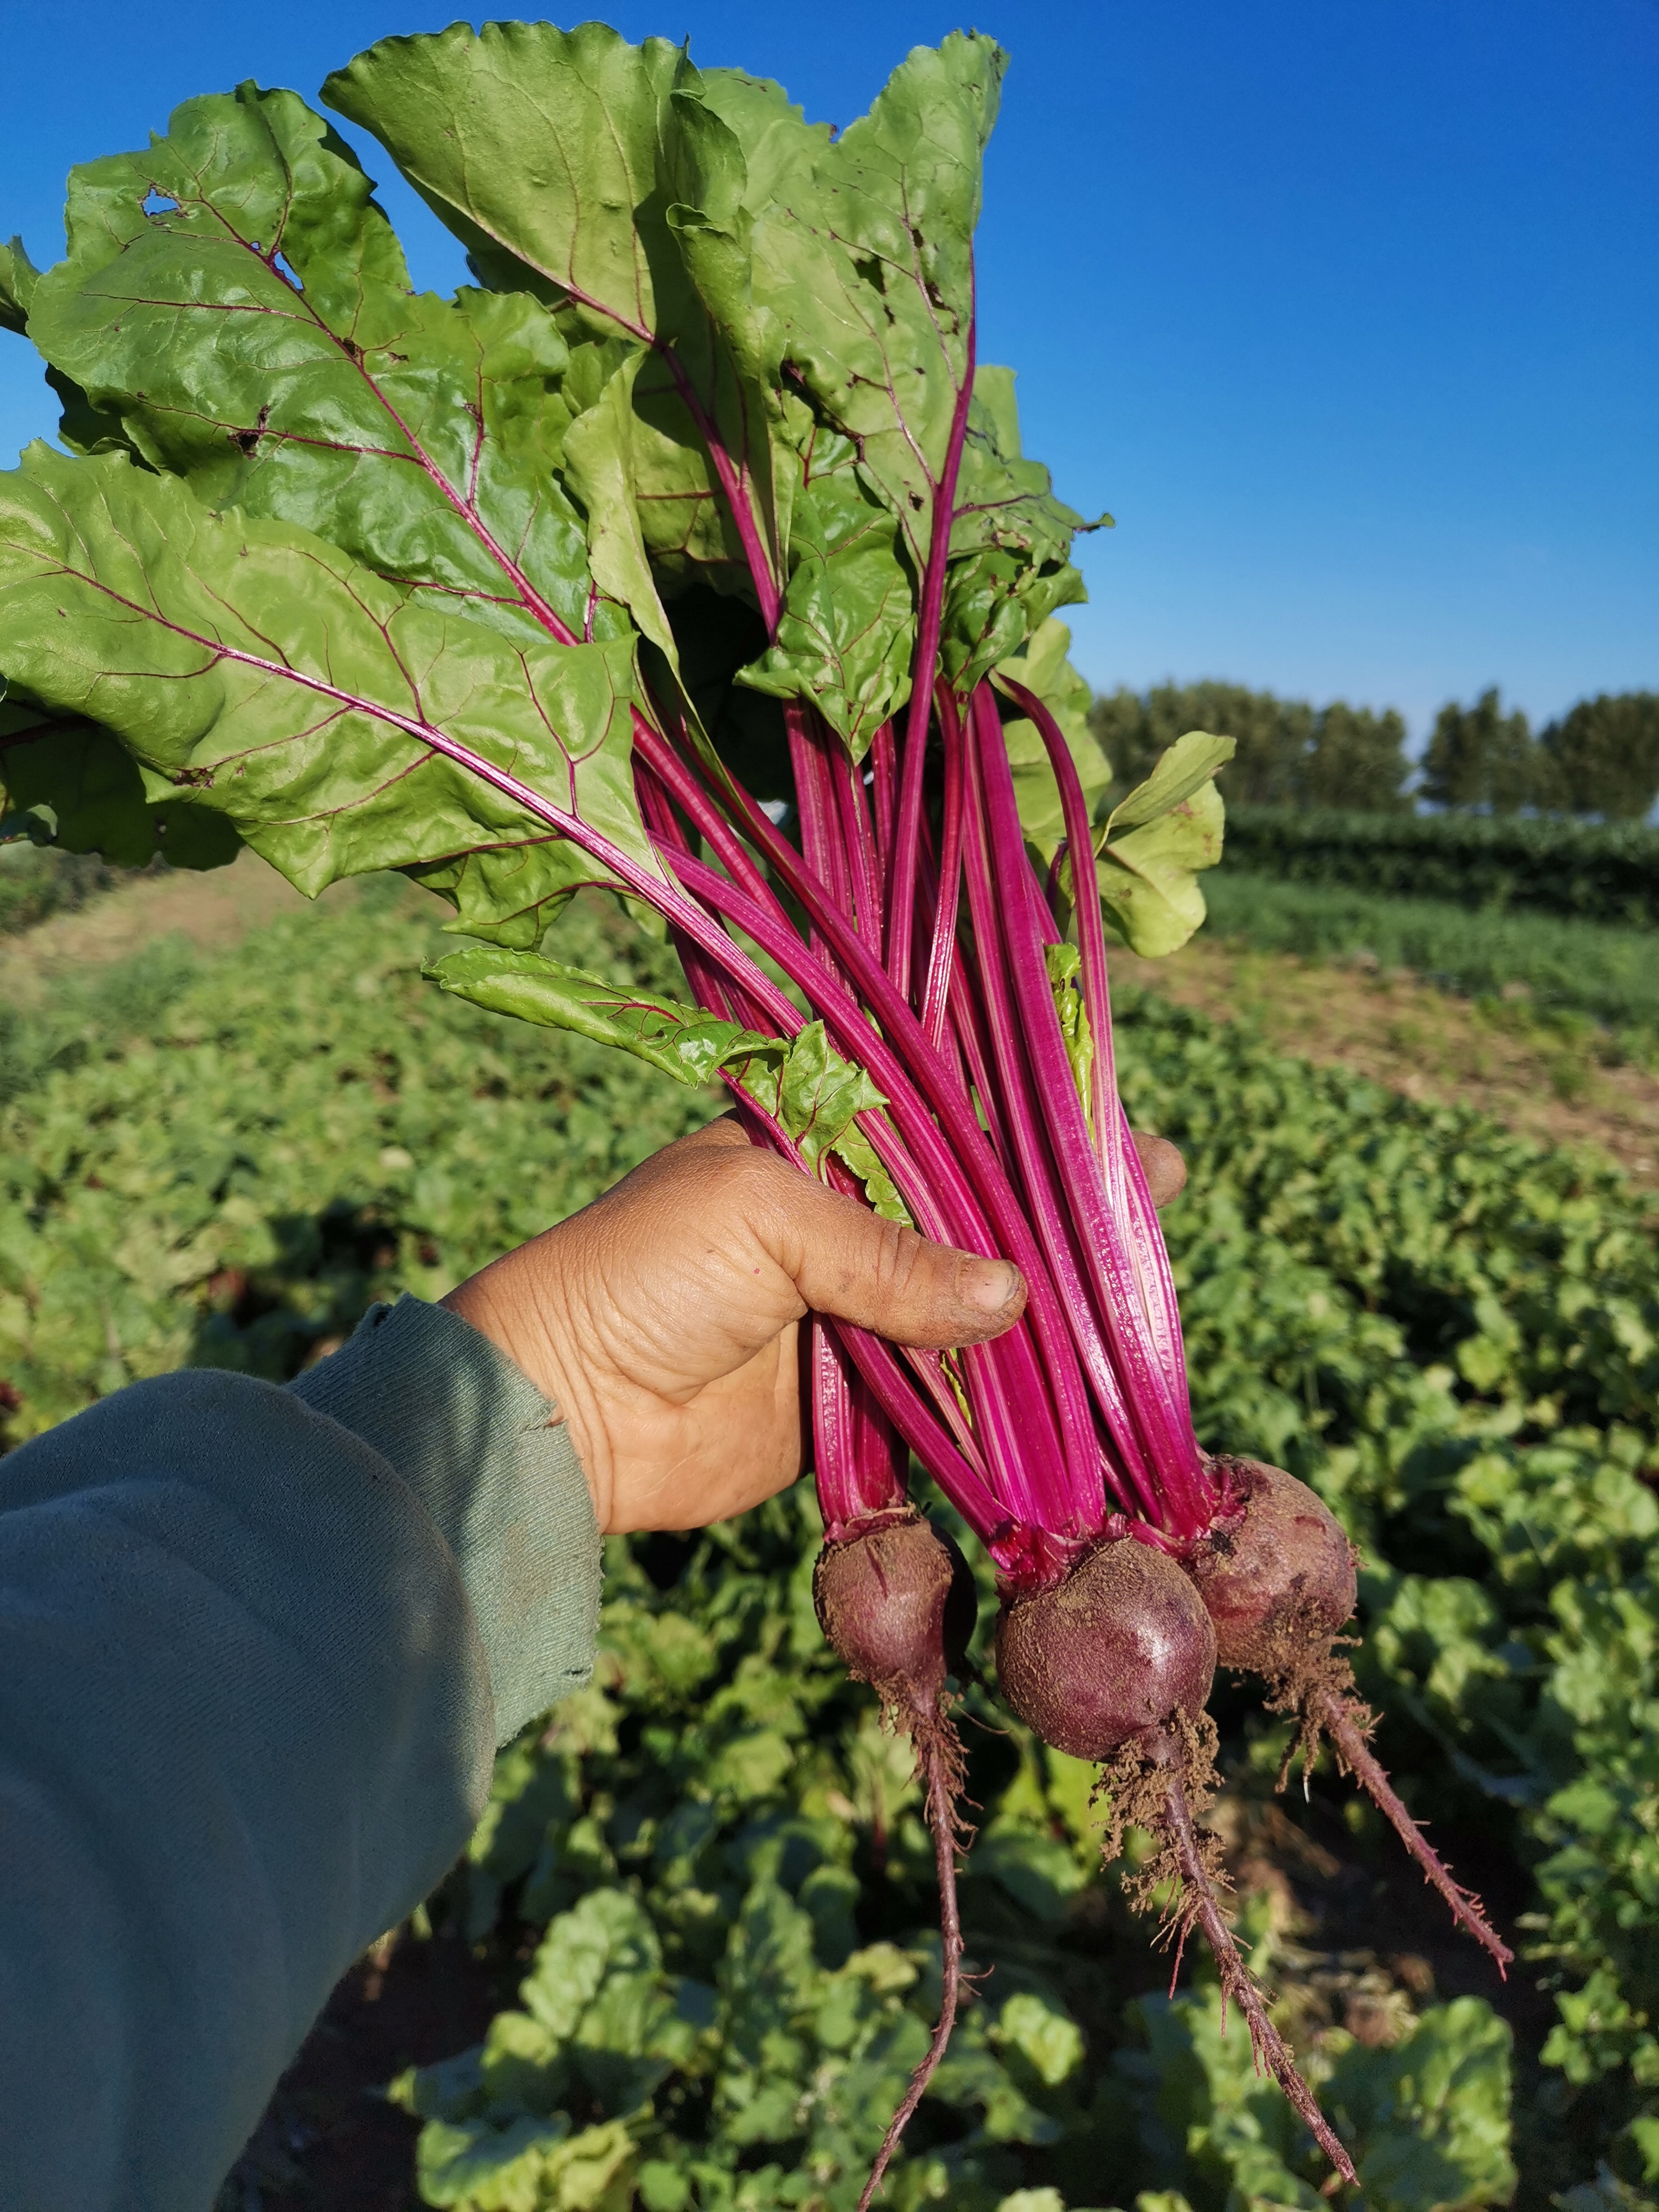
1599 758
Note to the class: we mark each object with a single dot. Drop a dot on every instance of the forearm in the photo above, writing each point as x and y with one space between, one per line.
256 1646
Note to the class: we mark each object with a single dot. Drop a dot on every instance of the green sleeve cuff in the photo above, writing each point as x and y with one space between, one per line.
494 1468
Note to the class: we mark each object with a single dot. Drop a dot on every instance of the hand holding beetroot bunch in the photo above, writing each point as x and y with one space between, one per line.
692 554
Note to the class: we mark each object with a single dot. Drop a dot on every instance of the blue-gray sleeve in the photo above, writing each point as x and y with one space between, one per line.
257 1647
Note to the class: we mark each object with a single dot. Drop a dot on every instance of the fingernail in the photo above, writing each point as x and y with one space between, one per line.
989 1285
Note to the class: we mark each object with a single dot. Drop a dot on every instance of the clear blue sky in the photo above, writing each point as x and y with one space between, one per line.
1347 309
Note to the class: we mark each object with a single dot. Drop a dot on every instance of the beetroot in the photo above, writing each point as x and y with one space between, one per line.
1111 1654
1279 1579
1277 1567
897 1601
1114 1663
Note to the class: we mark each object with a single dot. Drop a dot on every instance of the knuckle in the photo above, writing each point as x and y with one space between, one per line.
899 1258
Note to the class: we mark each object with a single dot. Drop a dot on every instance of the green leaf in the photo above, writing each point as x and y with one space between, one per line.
18 278
536 146
590 171
609 1930
1011 542
236 304
256 667
1064 961
864 252
1050 2042
846 639
601 468
1187 765
90 796
1429 2118
486 2169
805 1085
1157 841
816 1095
691 1046
1148 880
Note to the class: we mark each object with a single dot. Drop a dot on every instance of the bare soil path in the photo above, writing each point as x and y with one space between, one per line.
212 909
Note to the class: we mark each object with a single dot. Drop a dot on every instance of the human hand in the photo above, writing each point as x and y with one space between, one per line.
662 1320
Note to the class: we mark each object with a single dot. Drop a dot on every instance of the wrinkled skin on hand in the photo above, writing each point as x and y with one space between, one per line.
662 1320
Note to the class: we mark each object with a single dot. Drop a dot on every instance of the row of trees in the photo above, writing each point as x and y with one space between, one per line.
1601 758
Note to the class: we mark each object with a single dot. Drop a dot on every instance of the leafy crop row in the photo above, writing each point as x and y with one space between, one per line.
1607 874
36 882
1586 967
726 1853
1452 1335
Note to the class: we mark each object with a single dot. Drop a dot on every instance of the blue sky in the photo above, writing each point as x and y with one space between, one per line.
1348 310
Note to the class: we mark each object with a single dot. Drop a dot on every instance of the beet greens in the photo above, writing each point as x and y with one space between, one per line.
691 555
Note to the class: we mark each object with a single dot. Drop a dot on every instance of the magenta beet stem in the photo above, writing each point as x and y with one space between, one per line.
901 887
936 987
1127 1197
1021 1447
968 1154
1012 1016
1180 1499
874 1359
856 1455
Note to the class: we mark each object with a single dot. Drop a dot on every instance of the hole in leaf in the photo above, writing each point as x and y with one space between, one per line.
157 202
284 267
248 440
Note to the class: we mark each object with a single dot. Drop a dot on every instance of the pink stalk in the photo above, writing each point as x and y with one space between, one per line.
1071 1485
883 781
855 1451
733 481
936 989
942 1089
713 991
858 842
1181 1499
717 996
1029 1109
821 849
929 616
1093 975
1126 1184
925 1434
959 1476
705 817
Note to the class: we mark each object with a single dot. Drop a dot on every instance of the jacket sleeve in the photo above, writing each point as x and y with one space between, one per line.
257 1647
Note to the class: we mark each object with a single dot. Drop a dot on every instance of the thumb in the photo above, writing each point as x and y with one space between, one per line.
849 1263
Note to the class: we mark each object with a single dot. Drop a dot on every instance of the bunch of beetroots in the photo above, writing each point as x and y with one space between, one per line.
381 580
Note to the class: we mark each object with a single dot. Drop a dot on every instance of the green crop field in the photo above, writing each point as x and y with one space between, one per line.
1590 968
713 1859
